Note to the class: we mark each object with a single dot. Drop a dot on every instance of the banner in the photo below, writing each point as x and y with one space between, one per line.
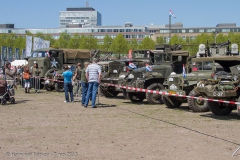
3 55
46 44
17 50
28 46
23 53
9 55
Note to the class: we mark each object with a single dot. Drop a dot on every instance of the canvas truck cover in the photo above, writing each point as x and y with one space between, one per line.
76 54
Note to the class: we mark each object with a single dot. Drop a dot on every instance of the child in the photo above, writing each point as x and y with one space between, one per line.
27 80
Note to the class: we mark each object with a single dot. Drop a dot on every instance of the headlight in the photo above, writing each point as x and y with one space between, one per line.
115 71
170 79
173 87
200 84
215 77
131 76
143 75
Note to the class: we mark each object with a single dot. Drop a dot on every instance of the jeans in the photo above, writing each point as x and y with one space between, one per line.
92 91
68 88
84 91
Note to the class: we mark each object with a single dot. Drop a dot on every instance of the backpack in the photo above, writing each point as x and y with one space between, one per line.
26 75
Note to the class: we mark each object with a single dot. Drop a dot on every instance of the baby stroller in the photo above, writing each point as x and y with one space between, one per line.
7 91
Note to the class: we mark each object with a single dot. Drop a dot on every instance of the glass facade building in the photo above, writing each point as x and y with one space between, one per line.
79 17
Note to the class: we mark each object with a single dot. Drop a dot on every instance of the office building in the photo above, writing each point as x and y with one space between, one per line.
79 17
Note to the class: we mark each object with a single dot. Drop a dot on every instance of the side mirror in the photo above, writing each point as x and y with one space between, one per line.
179 58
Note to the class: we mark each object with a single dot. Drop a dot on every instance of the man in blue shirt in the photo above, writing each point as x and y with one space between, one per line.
67 74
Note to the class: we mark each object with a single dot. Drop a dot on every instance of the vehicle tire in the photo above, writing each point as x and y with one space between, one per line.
3 101
47 87
218 108
154 98
49 75
12 100
135 97
59 87
171 102
125 95
197 105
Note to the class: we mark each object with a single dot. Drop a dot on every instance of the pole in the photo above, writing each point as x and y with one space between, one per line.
169 29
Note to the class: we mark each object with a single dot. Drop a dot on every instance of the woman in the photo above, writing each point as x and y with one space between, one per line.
26 78
36 79
10 74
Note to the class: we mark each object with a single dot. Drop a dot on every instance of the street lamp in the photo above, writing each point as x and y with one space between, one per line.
215 35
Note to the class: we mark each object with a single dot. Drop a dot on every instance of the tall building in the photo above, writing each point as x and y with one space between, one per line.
79 17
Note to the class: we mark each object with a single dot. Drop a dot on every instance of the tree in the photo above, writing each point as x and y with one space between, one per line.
91 42
82 42
133 44
160 40
74 42
147 43
107 41
63 40
119 45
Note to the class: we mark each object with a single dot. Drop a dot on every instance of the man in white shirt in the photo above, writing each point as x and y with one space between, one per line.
93 75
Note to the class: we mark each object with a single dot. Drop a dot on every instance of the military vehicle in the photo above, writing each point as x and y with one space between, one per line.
51 62
223 85
164 62
120 67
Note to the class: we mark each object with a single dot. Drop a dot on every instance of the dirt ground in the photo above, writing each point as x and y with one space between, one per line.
42 126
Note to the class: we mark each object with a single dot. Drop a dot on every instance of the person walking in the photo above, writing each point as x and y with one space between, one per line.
68 75
84 83
93 74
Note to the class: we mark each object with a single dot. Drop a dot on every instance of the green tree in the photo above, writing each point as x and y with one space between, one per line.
107 41
91 42
160 40
119 45
133 44
82 42
147 43
74 42
63 40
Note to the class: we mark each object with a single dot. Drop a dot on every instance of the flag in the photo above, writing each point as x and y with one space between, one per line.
171 14
148 68
184 72
132 65
28 46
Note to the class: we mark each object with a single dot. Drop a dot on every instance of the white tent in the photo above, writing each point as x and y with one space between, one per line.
19 63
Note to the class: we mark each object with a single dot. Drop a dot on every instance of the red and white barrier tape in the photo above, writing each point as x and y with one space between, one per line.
170 94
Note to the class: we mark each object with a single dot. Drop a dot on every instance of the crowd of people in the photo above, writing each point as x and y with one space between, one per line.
14 75
88 78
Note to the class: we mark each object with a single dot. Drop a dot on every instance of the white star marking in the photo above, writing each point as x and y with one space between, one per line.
54 63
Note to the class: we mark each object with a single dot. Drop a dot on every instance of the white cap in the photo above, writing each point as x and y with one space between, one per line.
69 66
35 62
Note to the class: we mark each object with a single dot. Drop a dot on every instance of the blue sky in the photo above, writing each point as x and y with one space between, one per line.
192 13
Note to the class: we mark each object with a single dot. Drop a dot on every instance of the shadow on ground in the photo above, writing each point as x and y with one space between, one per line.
231 116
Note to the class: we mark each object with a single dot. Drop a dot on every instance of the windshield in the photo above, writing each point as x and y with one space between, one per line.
202 66
140 54
163 57
39 54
